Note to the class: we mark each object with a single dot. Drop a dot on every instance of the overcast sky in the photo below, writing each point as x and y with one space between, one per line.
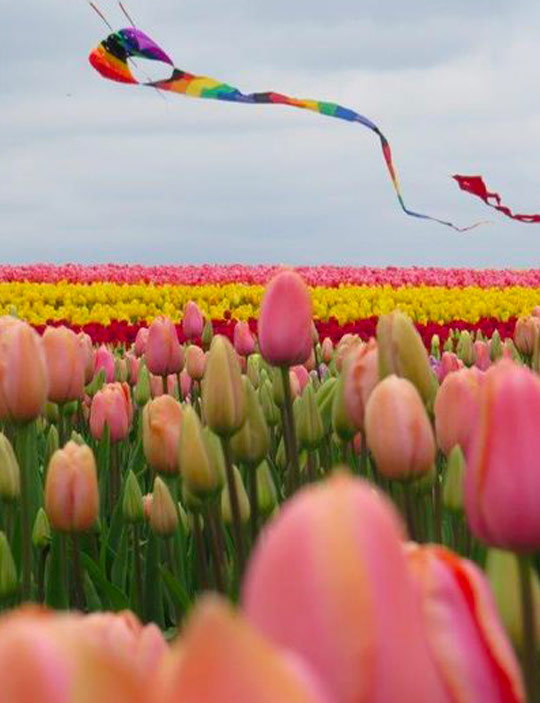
94 171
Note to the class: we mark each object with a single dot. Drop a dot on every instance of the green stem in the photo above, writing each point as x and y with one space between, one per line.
114 478
23 447
290 436
409 510
137 558
41 574
217 560
235 506
529 631
437 507
77 572
254 502
200 552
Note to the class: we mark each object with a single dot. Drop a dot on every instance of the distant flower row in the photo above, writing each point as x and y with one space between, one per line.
327 276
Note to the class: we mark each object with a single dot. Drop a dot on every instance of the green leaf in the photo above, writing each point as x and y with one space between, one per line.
117 600
178 594
120 564
56 589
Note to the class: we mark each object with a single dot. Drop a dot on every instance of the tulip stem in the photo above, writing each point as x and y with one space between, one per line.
290 435
409 510
254 500
529 625
138 568
437 507
41 573
23 447
114 477
200 551
235 506
217 561
77 572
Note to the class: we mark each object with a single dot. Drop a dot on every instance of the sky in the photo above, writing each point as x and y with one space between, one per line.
93 171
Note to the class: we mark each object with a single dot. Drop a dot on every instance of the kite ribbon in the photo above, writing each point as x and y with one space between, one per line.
475 186
110 60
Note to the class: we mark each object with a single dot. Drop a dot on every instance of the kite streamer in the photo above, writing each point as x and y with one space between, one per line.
111 57
475 186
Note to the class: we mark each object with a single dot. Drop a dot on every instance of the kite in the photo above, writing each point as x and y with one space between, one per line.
475 186
111 58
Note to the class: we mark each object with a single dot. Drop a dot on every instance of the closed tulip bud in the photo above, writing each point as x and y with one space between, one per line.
267 498
147 505
200 471
243 340
207 335
281 456
186 384
66 364
71 489
52 444
96 384
360 376
163 353
294 385
41 531
314 380
482 359
195 362
453 481
465 349
449 364
327 350
104 359
398 431
285 321
134 364
111 407
77 438
10 478
525 334
185 521
132 502
142 389
277 388
342 423
8 572
302 375
163 511
243 500
510 351
495 346
449 344
502 573
24 377
86 349
311 363
252 442
161 423
51 413
310 425
140 341
192 322
401 352
121 372
269 408
254 369
456 407
325 401
223 398
435 347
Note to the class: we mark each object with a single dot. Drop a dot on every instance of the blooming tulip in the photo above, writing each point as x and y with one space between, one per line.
285 337
456 407
105 360
244 342
192 322
398 431
163 353
66 363
162 419
71 489
111 406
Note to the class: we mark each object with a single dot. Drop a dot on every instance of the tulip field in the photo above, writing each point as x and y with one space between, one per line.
260 484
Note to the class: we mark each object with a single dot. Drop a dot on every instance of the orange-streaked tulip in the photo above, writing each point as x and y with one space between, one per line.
193 321
104 359
195 362
361 375
466 639
349 625
285 337
243 340
456 407
163 353
162 419
88 353
66 363
502 480
24 376
398 431
111 406
71 489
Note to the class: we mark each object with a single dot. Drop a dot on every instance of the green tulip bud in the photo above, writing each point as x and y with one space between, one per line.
465 348
77 438
142 389
41 532
436 347
342 423
325 400
453 481
449 344
51 412
270 409
253 371
200 459
223 397
281 455
278 395
310 424
8 572
52 444
496 346
267 498
96 383
163 513
132 503
10 475
243 500
207 335
251 444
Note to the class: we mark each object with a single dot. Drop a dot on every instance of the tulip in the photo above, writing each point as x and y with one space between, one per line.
161 422
104 360
456 408
502 478
525 334
24 378
285 336
495 346
134 364
327 349
71 489
41 531
349 627
244 341
8 571
482 358
347 345
10 475
195 362
222 391
302 376
242 496
311 363
453 481
309 424
361 375
185 384
436 347
325 399
466 640
398 431
267 498
111 407
147 506
66 364
252 442
163 512
140 341
163 353
207 335
192 322
88 354
201 471
143 388
132 502
270 409
449 364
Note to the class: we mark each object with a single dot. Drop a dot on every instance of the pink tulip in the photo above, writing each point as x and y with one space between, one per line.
140 341
347 345
311 363
467 642
525 334
185 384
327 349
88 353
163 353
156 386
104 359
244 341
449 363
162 418
285 321
24 376
111 406
482 355
134 364
398 430
193 322
361 376
195 362
329 581
302 374
502 480
456 408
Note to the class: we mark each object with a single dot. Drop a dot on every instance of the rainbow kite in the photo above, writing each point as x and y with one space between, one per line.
111 58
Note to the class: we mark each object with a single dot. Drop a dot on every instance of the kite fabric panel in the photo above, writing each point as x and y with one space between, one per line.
111 58
475 186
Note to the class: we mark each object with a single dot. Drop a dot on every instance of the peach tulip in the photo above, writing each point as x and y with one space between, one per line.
195 362
302 374
482 355
467 642
88 353
163 353
456 407
502 480
140 341
525 334
66 362
193 321
361 375
134 364
104 359
329 581
398 431
185 383
449 363
243 340
162 418
111 406
347 345
71 489
285 336
327 350
24 376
